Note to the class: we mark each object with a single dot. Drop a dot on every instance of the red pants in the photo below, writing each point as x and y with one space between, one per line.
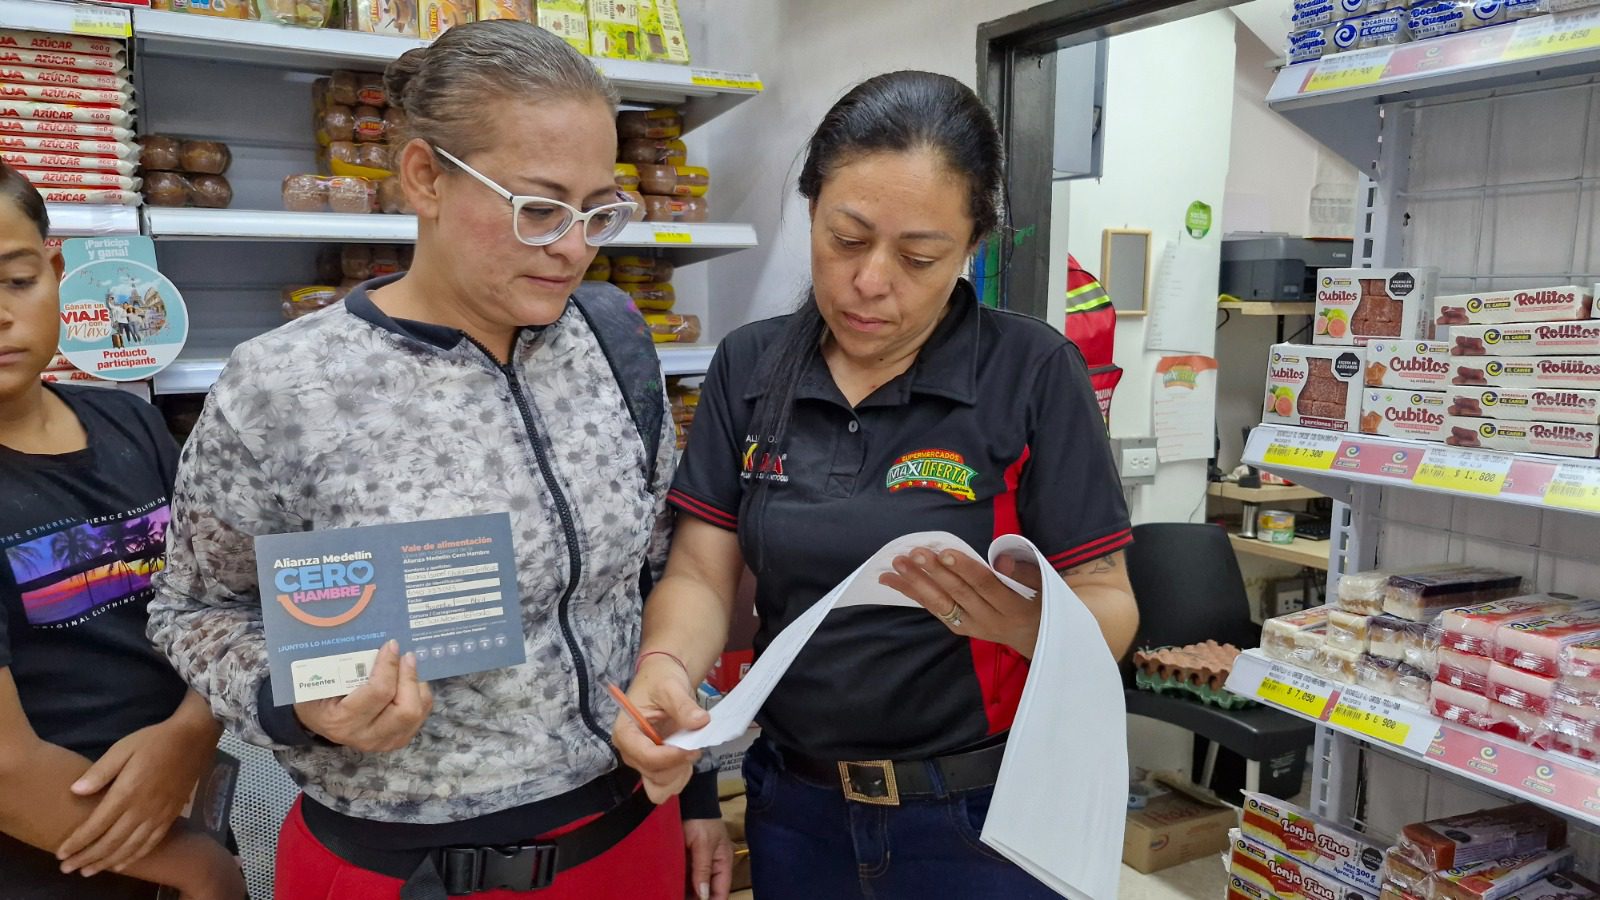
648 865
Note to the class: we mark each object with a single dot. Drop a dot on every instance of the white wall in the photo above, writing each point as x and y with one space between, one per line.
1166 145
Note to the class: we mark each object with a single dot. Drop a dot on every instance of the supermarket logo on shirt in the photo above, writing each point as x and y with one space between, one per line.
939 470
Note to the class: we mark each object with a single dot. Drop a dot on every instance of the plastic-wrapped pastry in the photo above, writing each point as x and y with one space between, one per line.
351 195
370 90
1347 630
1466 671
1422 597
1337 665
666 328
158 153
654 124
336 123
652 297
168 189
1471 629
305 193
373 156
210 192
1279 636
355 261
303 300
639 205
344 88
370 127
344 152
206 157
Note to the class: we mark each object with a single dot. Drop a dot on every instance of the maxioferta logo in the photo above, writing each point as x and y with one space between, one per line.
345 582
939 470
1180 376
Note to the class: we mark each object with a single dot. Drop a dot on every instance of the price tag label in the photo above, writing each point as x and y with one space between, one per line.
1575 487
1294 690
737 81
1552 35
673 236
1302 450
99 21
1377 726
1348 70
1384 720
1467 471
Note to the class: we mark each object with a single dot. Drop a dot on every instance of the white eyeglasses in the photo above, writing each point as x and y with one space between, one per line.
540 221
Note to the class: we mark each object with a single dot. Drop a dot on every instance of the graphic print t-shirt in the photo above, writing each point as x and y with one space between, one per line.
81 534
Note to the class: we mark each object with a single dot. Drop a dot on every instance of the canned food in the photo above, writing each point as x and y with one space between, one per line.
1275 526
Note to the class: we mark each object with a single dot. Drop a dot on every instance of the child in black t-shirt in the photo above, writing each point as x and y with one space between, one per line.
100 742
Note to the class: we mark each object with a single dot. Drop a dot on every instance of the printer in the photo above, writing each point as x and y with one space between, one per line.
1278 267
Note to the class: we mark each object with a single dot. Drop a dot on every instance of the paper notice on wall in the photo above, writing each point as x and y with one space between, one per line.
1185 390
1183 298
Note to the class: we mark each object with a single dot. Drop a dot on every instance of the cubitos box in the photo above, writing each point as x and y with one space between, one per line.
1552 304
1314 387
1355 306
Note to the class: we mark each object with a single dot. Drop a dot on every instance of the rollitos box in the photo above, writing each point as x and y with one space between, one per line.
1527 405
1409 365
1530 339
1577 373
1560 438
1355 306
1553 304
1314 387
1407 414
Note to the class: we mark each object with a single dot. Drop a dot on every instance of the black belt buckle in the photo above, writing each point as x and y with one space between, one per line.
525 867
870 781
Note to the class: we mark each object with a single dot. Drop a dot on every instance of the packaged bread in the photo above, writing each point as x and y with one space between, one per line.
518 10
637 199
385 260
1280 635
336 123
394 123
1348 630
657 152
369 90
652 297
1472 629
392 197
301 300
305 193
1422 597
351 195
566 19
90 196
373 156
600 269
666 328
1539 645
29 143
651 124
658 209
62 178
22 159
222 9
1467 671
105 63
210 192
392 17
693 181
78 130
344 152
657 179
369 125
42 93
168 189
627 176
1454 704
344 88
439 16
88 81
205 157
1483 836
159 153
641 270
691 210
51 42
355 261
304 13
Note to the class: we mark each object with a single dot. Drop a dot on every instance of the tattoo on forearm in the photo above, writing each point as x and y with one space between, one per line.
1099 567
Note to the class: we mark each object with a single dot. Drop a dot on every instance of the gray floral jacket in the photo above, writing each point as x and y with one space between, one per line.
347 418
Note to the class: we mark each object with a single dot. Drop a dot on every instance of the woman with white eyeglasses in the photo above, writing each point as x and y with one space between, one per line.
484 380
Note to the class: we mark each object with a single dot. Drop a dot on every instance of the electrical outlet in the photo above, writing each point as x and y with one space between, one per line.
1136 460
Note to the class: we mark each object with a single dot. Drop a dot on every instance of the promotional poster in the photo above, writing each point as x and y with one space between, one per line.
121 320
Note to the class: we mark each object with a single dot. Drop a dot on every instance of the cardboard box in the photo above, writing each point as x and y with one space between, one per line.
518 10
438 16
1353 858
1285 877
1355 306
1578 373
1559 438
1552 304
1409 365
1314 387
1526 405
1531 339
1174 829
614 29
566 19
661 31
391 17
1419 415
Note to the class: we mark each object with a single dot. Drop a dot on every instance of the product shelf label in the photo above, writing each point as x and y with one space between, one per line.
1303 449
736 81
1574 487
1467 471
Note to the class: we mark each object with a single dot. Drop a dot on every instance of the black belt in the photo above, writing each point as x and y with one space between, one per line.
435 873
884 782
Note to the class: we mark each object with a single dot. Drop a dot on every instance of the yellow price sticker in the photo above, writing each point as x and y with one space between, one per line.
1339 77
1377 726
737 81
1575 487
1300 456
674 237
1288 696
1552 37
1459 478
101 22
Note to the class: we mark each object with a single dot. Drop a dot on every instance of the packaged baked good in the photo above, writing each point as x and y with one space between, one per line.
370 90
691 210
373 156
1393 679
1362 592
1529 339
1557 438
158 153
1550 304
1280 636
1527 405
336 123
693 181
1525 9
566 19
652 297
1282 826
1437 18
637 199
599 270
305 193
89 81
1309 44
614 29
392 17
658 209
1467 671
654 152
355 261
1422 597
1458 705
640 270
304 13
1472 629
394 123
666 328
351 195
168 189
627 175
343 152
1335 664
1551 372
1419 415
392 197
1483 836
1408 365
1283 876
519 10
385 260
1565 886
661 32
1354 306
223 9
651 124
1313 387
369 125
1520 689
210 191
205 157
438 16
300 300
1413 643
1498 879
1541 644
1347 630
659 180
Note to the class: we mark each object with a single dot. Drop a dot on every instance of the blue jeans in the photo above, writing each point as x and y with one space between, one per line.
808 842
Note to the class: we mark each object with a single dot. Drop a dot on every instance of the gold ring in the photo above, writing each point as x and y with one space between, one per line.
953 617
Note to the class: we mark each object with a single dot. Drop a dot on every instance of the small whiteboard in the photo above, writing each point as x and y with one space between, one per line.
1125 269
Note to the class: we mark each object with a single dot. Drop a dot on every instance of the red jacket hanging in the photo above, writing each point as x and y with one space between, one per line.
1092 325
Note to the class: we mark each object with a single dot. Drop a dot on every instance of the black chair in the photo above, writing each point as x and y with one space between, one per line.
1187 584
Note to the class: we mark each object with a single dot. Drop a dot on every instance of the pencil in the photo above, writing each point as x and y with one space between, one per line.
638 717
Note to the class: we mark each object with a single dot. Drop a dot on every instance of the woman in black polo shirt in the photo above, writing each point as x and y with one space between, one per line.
891 402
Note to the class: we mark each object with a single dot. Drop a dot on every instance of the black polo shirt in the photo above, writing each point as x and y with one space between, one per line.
994 430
